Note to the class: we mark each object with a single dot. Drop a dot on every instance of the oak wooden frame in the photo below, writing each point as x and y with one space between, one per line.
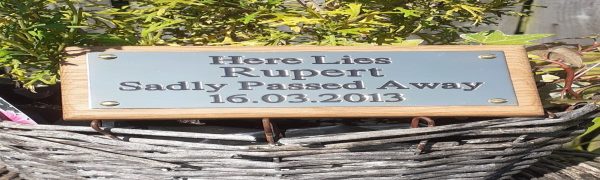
76 107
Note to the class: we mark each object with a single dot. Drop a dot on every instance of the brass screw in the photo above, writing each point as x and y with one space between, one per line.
487 56
109 103
497 101
107 56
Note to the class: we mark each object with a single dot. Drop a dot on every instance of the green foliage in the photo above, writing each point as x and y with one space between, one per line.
550 75
589 140
582 60
34 33
499 38
301 22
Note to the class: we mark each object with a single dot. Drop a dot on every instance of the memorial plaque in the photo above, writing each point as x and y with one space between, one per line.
260 82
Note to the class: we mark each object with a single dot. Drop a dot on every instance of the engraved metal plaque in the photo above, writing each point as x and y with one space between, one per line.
218 79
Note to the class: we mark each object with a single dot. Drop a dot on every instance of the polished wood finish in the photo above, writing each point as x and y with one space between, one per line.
76 106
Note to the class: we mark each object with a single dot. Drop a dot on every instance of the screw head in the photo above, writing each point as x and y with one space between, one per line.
497 101
487 56
109 103
107 56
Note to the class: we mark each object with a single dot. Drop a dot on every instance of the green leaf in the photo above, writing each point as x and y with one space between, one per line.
592 146
476 12
354 10
408 43
249 18
77 27
3 53
409 12
104 40
499 38
161 11
355 31
159 26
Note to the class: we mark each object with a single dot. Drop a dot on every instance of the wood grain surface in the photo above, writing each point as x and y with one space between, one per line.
76 106
565 19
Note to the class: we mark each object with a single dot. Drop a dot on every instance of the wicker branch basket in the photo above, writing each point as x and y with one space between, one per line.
488 149
564 164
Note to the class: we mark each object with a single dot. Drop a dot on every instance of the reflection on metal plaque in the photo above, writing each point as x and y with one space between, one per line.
298 79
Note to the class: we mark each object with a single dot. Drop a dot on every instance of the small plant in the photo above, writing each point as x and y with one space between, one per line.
566 74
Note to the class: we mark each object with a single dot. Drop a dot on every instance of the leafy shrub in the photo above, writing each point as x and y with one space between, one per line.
33 33
279 22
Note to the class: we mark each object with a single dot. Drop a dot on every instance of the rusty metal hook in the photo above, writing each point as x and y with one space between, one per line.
415 124
95 124
415 121
268 128
272 132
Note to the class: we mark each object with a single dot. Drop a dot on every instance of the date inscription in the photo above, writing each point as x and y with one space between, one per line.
304 98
